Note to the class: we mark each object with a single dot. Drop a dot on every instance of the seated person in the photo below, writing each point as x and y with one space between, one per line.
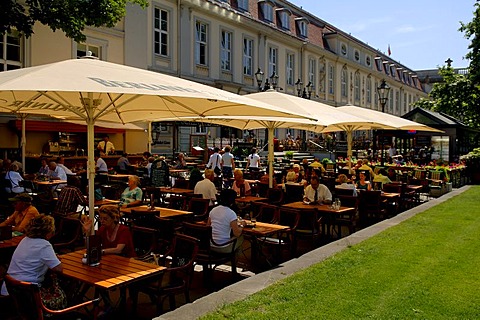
240 183
56 173
265 179
391 174
316 192
181 163
70 198
317 164
291 179
206 187
366 167
24 212
224 222
34 255
132 195
146 158
44 168
116 238
382 177
122 163
14 177
100 164
362 184
343 180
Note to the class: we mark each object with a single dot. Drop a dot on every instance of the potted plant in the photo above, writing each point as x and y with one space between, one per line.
289 155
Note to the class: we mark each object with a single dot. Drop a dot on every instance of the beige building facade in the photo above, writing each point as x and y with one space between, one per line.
224 44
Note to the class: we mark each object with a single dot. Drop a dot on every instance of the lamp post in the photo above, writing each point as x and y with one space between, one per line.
306 92
272 84
383 91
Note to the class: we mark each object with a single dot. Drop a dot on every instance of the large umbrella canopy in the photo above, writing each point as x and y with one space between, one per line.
94 90
383 121
324 114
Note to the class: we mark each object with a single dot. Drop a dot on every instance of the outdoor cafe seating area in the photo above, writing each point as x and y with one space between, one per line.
170 225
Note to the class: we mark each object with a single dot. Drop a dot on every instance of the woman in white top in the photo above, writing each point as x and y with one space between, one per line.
228 163
14 177
253 160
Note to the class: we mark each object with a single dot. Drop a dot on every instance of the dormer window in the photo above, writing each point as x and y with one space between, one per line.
302 27
378 63
242 5
284 18
343 49
266 9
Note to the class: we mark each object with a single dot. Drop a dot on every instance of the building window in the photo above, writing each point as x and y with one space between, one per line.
284 18
85 49
368 87
357 55
290 69
390 100
357 86
312 71
201 32
247 57
405 102
242 5
331 79
392 70
302 27
368 61
397 102
160 32
379 64
344 82
375 97
410 101
266 8
272 60
343 49
10 51
226 51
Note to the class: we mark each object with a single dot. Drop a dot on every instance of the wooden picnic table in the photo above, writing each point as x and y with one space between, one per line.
164 212
249 199
180 191
113 272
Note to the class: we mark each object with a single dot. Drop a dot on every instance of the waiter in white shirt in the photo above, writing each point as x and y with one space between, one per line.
105 146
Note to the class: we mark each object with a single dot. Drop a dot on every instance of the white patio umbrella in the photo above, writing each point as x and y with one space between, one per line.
93 90
383 121
326 116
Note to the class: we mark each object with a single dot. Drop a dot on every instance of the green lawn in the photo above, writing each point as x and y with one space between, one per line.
428 267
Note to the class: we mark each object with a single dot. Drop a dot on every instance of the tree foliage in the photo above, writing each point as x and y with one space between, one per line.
70 16
459 95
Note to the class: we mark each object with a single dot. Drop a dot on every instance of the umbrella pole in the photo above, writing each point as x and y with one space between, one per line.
91 159
23 142
270 157
349 149
150 137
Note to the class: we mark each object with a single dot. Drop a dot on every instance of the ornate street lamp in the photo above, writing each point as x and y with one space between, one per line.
383 91
305 92
272 84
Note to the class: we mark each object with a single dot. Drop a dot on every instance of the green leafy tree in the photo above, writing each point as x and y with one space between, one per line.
459 95
70 16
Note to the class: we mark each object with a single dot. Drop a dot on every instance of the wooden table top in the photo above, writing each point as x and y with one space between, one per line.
164 212
175 190
178 170
414 187
390 195
113 271
320 207
50 183
249 199
120 176
11 243
99 203
264 229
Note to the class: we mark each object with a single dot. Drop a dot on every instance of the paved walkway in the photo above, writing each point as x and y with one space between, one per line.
244 288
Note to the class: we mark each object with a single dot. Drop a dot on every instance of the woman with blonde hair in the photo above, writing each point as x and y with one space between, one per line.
115 237
240 183
34 256
132 195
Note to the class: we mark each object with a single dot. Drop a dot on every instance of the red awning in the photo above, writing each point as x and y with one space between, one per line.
34 125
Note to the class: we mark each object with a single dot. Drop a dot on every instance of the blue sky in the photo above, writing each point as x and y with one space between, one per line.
422 34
